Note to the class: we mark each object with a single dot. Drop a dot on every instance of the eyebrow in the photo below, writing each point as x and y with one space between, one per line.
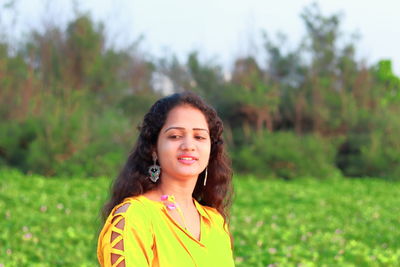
182 128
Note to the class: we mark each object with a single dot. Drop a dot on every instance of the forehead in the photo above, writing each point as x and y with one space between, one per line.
186 116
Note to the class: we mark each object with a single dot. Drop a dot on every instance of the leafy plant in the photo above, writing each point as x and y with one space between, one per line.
55 222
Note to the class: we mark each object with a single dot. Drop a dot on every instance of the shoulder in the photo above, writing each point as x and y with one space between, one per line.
130 216
216 218
133 210
130 206
213 214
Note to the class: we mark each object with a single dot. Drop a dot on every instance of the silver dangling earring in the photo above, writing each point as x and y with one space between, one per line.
154 170
205 178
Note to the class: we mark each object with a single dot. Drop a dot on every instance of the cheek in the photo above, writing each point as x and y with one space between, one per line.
166 151
206 153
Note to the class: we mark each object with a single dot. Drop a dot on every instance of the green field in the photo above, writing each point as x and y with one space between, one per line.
336 222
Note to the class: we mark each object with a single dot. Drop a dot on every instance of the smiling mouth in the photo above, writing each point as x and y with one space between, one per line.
186 158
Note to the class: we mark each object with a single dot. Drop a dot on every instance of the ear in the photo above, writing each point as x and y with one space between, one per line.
153 149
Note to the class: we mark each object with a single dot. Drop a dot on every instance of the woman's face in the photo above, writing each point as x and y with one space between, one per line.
183 145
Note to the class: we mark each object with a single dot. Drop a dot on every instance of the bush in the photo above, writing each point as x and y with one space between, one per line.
15 140
67 137
375 151
109 140
285 155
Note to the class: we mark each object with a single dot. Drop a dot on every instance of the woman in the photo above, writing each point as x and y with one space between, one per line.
170 204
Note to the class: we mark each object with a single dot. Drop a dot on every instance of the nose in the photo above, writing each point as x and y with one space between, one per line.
188 144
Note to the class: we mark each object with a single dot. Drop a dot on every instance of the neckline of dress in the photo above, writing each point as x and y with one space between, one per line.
161 202
199 210
197 205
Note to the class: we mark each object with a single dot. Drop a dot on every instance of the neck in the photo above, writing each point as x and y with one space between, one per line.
181 190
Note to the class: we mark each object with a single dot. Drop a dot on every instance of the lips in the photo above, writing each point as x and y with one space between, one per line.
187 159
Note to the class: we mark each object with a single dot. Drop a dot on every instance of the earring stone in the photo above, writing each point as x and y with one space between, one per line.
154 170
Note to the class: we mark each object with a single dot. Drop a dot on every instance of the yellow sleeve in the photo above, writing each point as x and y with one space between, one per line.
127 237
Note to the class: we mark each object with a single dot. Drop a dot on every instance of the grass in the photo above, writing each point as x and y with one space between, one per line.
307 222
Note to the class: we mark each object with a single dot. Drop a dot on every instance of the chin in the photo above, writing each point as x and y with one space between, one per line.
186 174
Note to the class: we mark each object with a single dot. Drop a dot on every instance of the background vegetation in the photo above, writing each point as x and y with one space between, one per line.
70 103
306 222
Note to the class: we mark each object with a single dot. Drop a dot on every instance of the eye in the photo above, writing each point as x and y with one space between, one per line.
174 136
200 137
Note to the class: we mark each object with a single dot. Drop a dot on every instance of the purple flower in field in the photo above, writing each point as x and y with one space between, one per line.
338 231
238 259
272 250
27 236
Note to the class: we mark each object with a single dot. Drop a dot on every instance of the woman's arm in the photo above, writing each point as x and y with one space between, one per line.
117 241
127 238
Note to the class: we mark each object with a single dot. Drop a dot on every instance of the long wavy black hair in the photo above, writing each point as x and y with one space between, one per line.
133 179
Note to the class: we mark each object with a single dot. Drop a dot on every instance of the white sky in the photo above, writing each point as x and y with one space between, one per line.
224 29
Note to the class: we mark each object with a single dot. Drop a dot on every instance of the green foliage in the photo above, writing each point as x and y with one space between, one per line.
63 105
285 155
207 77
330 222
70 102
373 151
69 140
15 84
322 37
108 140
387 81
136 106
15 140
48 219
